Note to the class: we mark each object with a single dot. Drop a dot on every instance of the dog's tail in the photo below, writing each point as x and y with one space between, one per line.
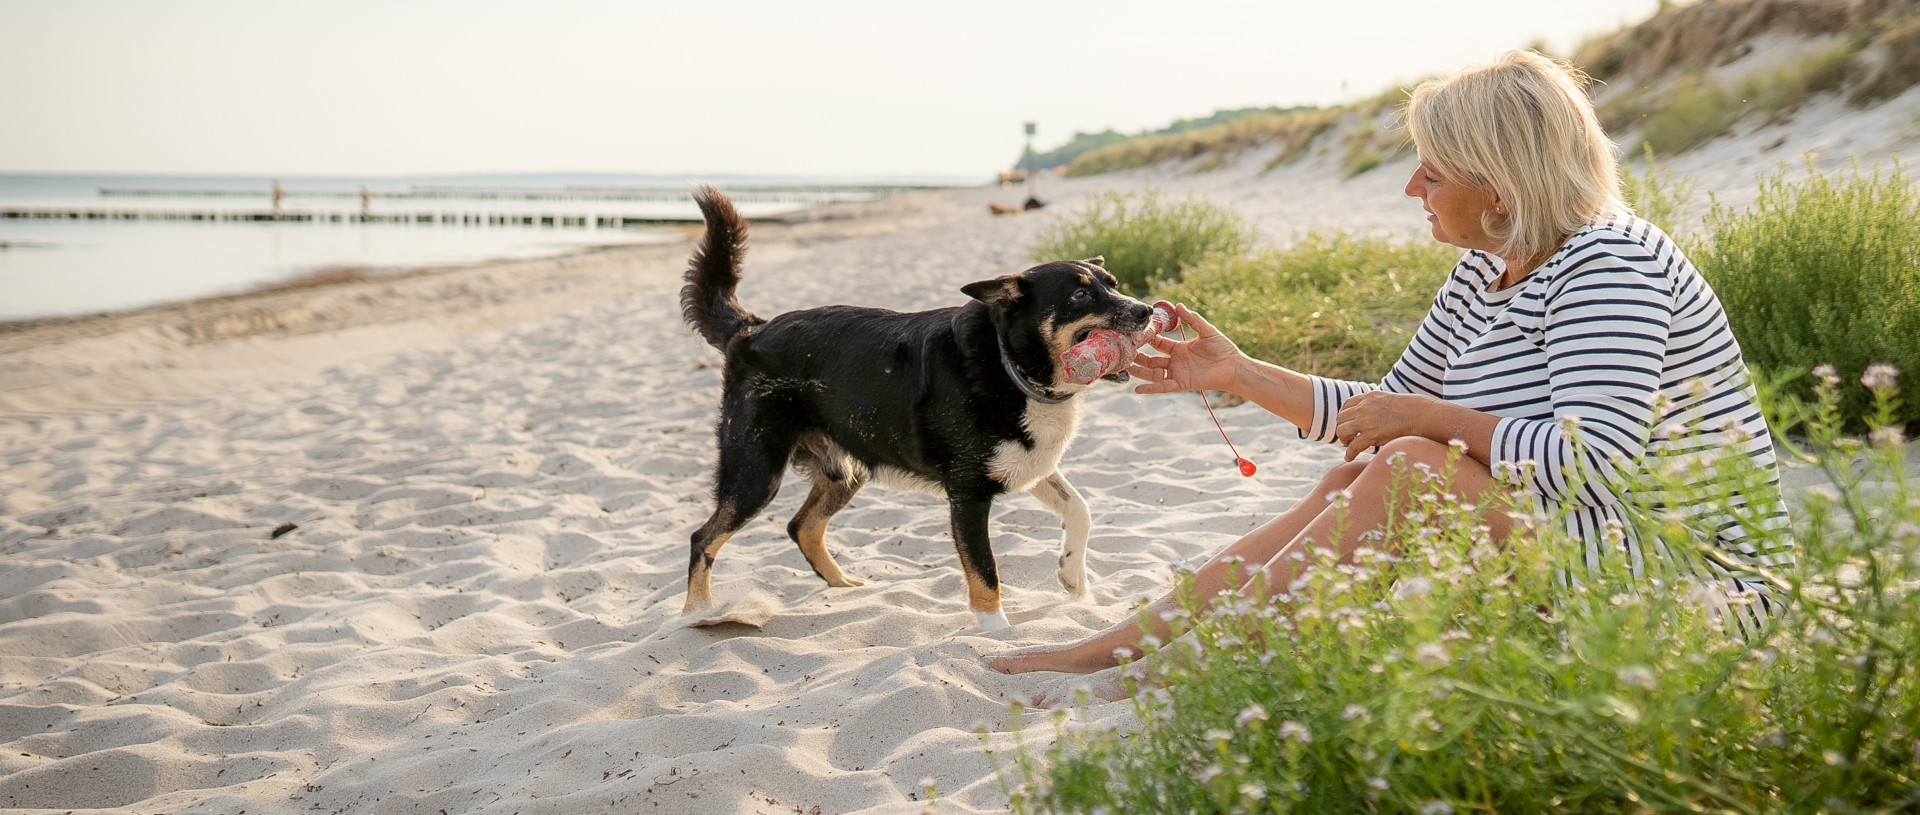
707 301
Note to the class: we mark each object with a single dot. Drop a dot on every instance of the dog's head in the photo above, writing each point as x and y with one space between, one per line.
1058 304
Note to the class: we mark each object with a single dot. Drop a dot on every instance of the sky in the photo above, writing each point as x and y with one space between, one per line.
832 88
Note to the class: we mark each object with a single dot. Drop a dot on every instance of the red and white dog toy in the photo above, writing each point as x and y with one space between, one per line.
1106 352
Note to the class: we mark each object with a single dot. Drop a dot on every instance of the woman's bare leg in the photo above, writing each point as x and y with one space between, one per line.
1369 485
1254 548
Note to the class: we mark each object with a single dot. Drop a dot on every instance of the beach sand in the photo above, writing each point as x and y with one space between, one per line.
493 473
485 480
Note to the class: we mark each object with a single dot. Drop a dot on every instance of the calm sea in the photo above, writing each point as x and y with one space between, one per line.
73 244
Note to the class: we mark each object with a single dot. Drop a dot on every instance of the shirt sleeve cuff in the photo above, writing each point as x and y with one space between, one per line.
1328 394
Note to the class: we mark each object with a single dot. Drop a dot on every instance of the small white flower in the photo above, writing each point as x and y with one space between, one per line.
1377 782
1252 713
1827 374
1353 712
1217 734
1888 435
1291 729
927 783
1879 376
1436 807
1254 790
1638 676
1906 531
1833 758
1413 587
1431 654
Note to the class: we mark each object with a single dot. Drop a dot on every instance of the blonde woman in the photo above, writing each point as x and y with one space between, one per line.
1566 316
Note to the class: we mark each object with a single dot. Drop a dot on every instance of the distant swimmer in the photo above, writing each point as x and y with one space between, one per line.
277 195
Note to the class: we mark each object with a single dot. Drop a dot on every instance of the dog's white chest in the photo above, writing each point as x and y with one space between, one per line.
1052 428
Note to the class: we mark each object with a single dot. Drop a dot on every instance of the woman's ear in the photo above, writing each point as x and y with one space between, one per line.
998 291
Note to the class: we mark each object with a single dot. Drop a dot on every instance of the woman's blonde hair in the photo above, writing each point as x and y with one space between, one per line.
1521 126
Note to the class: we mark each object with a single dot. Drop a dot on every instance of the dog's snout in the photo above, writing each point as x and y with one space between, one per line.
1141 311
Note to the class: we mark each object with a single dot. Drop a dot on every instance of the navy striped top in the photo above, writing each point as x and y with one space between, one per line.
1611 357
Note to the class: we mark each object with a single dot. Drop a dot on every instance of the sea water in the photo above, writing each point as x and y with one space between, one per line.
57 267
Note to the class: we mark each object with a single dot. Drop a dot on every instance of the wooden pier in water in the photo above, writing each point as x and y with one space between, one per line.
60 213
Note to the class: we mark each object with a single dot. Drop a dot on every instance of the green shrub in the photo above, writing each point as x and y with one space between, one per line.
1658 197
1899 67
1144 237
1363 162
1696 108
1332 303
1461 675
1824 270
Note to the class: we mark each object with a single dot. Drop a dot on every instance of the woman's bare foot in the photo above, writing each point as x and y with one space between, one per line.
1084 657
1107 689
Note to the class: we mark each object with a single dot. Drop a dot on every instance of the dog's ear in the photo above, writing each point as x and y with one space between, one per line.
998 291
1097 260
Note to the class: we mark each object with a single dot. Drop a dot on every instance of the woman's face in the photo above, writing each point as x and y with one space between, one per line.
1453 207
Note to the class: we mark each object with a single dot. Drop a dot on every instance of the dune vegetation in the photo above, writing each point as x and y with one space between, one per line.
1673 81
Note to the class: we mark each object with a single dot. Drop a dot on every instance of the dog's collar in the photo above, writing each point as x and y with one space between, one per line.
1020 380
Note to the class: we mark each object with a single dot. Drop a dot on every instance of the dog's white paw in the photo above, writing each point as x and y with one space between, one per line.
1073 576
992 622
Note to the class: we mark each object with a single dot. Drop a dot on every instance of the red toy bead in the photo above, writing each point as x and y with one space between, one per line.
1246 467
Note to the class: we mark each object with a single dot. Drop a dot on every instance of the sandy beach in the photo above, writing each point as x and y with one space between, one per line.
417 544
491 475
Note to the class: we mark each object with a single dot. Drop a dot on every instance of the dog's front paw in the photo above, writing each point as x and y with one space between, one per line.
847 581
992 622
1073 576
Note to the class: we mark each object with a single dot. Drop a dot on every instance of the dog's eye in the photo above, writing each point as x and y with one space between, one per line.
1082 296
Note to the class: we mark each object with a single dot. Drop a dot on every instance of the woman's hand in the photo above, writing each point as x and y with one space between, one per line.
1374 418
1210 361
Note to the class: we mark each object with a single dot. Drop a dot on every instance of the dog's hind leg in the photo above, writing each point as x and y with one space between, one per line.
975 545
750 470
1075 522
809 526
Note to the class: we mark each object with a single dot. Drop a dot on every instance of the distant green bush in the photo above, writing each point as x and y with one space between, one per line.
1333 304
1823 271
1144 237
1695 108
1363 162
1658 197
1439 672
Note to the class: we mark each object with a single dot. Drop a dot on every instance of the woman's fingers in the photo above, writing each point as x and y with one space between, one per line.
1193 318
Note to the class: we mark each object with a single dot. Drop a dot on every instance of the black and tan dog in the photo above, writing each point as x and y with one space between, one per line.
966 402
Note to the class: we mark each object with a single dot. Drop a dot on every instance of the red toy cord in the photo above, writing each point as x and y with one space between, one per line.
1246 467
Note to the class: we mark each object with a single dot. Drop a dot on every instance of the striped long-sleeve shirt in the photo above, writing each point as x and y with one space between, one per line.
1613 354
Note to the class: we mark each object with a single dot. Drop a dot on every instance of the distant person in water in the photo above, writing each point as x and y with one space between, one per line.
277 195
1565 311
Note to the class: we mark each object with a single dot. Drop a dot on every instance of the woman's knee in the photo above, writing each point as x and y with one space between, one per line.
1403 456
1343 475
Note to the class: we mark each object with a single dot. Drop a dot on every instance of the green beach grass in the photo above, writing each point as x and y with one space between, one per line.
1332 303
1441 673
1143 236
